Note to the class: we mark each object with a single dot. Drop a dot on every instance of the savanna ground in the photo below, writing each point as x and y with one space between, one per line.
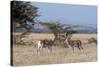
27 54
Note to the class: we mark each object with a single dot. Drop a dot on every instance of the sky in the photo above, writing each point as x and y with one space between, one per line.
67 13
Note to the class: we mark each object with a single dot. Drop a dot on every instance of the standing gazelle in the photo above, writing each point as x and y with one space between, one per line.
74 43
44 43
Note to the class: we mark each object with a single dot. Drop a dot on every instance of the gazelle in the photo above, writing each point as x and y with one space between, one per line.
44 44
74 43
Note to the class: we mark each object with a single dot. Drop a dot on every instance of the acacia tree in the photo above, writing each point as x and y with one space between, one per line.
53 27
56 28
21 13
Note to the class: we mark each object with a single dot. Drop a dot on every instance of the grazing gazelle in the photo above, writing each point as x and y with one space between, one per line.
92 40
74 43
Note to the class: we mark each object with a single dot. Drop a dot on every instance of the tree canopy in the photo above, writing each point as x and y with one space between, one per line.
21 12
57 28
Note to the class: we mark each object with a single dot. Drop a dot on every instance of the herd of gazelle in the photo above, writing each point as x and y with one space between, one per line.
72 43
47 43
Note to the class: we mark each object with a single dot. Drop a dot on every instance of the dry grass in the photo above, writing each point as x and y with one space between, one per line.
27 55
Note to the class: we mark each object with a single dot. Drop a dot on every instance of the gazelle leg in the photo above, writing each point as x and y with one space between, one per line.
38 49
73 48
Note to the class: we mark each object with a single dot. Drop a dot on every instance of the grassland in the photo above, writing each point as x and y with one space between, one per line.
27 54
